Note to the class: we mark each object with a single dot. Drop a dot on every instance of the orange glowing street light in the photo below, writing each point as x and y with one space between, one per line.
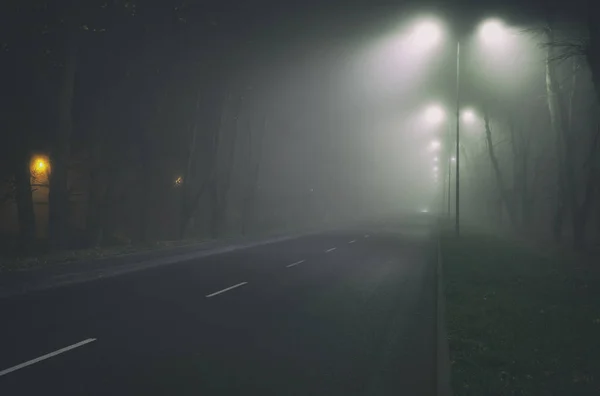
39 165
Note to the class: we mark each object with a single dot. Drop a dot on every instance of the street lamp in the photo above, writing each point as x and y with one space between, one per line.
39 165
434 114
468 116
493 31
426 34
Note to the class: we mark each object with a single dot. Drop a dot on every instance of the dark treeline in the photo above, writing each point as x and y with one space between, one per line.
533 166
141 120
134 121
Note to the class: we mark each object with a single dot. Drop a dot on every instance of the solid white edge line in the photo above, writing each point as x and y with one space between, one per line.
47 356
330 250
296 263
226 289
352 241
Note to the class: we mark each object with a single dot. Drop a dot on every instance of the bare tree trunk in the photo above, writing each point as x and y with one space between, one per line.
186 203
58 198
593 52
93 215
213 184
498 174
558 221
525 199
229 160
26 215
144 189
517 191
255 160
564 141
520 152
97 150
222 176
213 221
581 216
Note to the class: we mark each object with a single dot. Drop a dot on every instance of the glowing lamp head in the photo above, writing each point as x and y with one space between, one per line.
468 116
493 32
434 115
426 34
39 165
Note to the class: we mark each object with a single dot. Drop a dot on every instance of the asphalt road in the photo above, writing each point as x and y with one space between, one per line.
350 312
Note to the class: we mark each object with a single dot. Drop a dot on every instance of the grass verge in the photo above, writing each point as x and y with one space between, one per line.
10 264
519 322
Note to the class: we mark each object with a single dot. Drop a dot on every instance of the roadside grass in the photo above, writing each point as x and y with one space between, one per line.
23 263
519 322
13 263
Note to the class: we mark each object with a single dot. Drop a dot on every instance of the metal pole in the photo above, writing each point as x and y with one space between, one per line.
457 214
449 185
443 200
449 139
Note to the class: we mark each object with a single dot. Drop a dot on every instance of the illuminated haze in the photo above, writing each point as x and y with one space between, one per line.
352 109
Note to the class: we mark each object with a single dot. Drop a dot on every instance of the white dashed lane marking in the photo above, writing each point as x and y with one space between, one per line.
294 264
46 356
226 289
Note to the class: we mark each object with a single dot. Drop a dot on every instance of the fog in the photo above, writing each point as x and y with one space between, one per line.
162 122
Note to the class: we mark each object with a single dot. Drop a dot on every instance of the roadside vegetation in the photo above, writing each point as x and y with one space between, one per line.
520 321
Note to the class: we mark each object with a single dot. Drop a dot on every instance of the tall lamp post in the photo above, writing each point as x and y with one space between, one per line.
457 177
427 34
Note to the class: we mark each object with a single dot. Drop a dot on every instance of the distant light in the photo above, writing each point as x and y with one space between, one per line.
426 34
493 31
435 144
178 181
424 210
39 165
468 116
435 168
435 159
453 158
434 114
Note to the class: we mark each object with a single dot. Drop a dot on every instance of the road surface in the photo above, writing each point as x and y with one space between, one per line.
349 312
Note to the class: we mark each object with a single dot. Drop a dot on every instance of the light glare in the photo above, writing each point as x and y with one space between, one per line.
434 114
468 116
39 165
493 31
426 35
